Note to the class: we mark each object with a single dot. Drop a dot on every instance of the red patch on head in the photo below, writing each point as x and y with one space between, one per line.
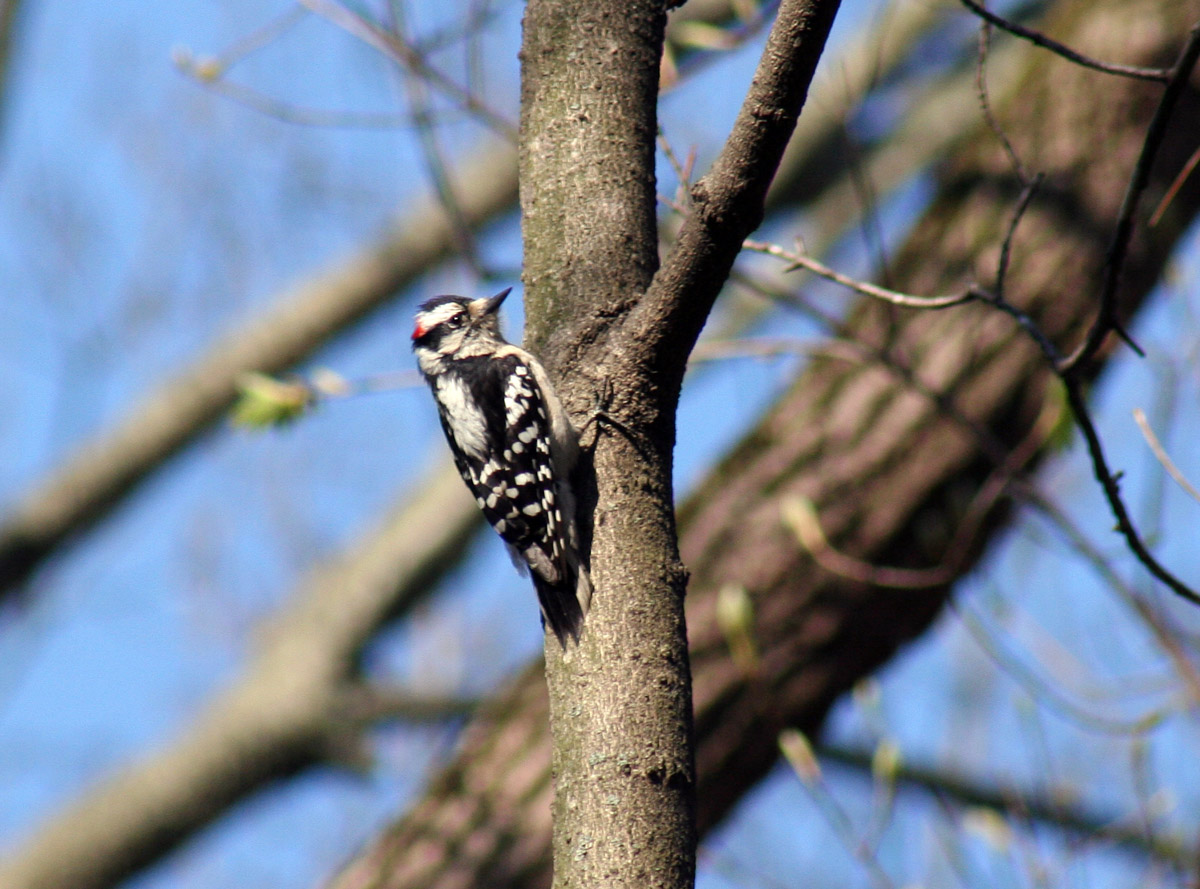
419 331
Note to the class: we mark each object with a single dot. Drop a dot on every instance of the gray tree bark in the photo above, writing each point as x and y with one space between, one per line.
606 318
620 701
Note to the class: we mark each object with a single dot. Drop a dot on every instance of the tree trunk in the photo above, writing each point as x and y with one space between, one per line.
621 702
892 445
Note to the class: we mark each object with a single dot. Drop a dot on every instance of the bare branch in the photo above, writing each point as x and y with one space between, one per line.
709 349
817 633
417 88
289 112
799 754
1050 693
800 515
1039 39
1029 187
1112 492
1187 170
801 518
985 102
102 471
1161 455
620 701
293 706
410 58
1021 805
1159 627
368 705
799 260
728 200
1073 386
1114 260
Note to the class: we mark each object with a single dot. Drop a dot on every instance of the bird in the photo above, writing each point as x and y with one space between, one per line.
513 444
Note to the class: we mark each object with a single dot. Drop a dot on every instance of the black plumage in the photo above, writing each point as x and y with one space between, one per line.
513 484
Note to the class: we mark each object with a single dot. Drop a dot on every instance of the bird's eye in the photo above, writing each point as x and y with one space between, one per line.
454 322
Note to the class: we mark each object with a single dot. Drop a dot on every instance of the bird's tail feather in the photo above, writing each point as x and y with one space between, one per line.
564 604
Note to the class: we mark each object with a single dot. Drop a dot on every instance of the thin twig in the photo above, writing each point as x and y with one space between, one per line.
365 705
1114 259
733 191
1072 385
260 37
985 103
800 756
477 11
464 28
864 190
1167 636
1038 39
416 86
409 58
722 349
1161 455
672 204
841 345
799 260
287 111
211 72
796 301
1073 388
801 516
1042 689
1029 189
683 172
1045 808
1112 491
1177 184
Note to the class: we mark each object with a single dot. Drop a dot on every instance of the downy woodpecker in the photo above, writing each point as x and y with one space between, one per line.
513 444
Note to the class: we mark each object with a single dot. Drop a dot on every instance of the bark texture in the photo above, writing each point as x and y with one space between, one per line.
621 704
893 441
600 310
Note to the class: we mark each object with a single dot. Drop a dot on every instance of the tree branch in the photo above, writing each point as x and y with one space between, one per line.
1107 320
1038 39
620 701
728 201
103 470
294 706
1021 806
129 840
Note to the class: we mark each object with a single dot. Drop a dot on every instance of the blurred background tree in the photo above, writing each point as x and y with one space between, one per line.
240 659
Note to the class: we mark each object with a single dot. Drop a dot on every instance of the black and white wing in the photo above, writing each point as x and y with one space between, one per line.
503 449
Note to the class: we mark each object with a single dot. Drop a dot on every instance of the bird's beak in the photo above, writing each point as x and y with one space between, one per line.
493 303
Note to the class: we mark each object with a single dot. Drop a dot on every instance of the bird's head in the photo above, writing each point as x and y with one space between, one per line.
450 327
